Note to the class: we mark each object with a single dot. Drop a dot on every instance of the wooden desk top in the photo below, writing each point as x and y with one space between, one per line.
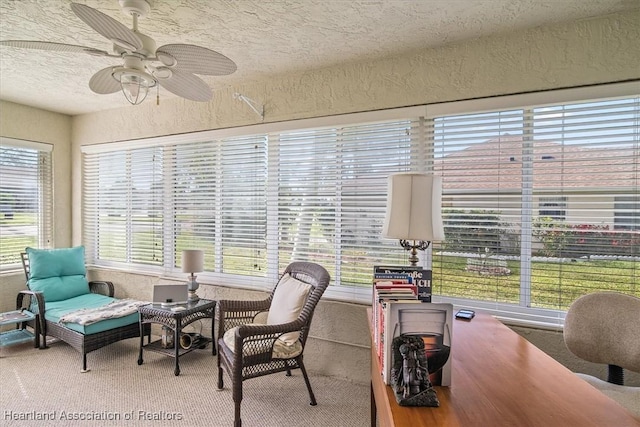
498 379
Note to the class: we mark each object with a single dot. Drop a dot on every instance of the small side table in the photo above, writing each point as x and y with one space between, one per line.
20 334
176 320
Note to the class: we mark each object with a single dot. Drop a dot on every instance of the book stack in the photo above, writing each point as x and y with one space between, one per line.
420 277
390 284
397 290
394 286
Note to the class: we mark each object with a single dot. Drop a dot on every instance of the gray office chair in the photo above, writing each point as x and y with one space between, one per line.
604 327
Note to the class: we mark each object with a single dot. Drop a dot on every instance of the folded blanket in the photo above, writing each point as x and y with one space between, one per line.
87 316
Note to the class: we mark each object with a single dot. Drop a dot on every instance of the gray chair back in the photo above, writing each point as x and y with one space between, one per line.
604 327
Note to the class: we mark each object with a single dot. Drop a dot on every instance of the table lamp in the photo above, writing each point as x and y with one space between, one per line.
414 211
192 262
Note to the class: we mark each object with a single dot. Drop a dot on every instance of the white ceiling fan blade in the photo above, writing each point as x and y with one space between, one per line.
186 85
103 82
108 27
57 47
195 59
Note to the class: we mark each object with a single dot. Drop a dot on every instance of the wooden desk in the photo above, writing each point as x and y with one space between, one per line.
498 379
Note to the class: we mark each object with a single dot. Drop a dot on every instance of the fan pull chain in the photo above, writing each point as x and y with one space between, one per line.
157 94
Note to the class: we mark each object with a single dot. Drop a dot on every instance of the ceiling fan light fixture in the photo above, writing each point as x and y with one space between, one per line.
135 84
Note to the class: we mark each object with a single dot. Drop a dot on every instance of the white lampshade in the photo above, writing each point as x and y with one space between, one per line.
414 207
192 260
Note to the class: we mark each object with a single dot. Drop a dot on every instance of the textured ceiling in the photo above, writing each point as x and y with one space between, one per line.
264 38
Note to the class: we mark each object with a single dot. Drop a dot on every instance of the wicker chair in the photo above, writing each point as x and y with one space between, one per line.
84 343
249 348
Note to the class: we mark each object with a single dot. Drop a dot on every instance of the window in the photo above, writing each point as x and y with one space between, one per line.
534 192
332 196
580 162
25 199
552 207
626 215
144 206
124 206
253 203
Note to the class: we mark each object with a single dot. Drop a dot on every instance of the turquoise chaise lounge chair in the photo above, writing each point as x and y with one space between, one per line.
57 285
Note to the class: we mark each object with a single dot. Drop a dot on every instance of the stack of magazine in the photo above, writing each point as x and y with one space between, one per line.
394 284
402 304
401 283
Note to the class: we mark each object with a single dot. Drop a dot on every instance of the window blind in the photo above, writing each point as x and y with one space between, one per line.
26 208
540 200
243 206
144 206
252 203
332 186
539 203
192 207
123 206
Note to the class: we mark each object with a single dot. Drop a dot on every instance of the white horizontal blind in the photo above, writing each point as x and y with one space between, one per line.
144 206
192 201
243 206
123 206
257 201
540 204
586 155
332 186
481 202
26 208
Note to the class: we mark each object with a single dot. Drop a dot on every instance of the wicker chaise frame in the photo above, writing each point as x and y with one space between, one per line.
258 340
81 342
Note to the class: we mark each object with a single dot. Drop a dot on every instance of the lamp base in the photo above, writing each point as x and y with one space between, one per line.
193 297
193 286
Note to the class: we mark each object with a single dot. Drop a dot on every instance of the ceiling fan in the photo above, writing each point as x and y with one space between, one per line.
172 66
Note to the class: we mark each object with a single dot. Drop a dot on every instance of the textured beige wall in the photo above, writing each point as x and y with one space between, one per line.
599 50
21 122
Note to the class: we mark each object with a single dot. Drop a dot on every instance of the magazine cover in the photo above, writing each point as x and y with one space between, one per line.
420 277
431 321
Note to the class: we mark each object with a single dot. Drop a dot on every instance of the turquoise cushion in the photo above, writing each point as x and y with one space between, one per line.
45 263
58 273
57 309
60 288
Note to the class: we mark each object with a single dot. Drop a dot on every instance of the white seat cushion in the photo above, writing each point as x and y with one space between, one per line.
287 303
281 350
627 396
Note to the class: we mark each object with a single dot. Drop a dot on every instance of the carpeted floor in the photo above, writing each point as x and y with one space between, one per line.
46 388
